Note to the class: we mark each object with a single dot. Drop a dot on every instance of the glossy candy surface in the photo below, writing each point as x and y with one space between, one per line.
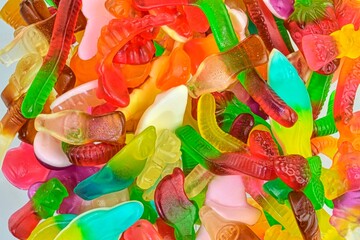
179 119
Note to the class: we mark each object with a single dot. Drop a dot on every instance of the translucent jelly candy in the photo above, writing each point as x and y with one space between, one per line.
262 144
293 170
43 204
91 154
242 163
339 44
28 40
76 127
48 229
265 23
280 70
268 100
281 9
183 120
242 126
55 60
345 217
48 151
98 17
167 150
121 169
208 77
211 131
21 168
235 207
113 222
177 72
174 207
70 178
219 228
112 86
34 11
305 215
162 113
11 15
20 80
141 230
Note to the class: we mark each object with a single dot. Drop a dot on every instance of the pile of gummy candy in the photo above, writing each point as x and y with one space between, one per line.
179 119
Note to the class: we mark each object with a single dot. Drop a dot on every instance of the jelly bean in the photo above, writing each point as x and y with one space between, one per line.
80 128
174 207
121 169
113 222
43 204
